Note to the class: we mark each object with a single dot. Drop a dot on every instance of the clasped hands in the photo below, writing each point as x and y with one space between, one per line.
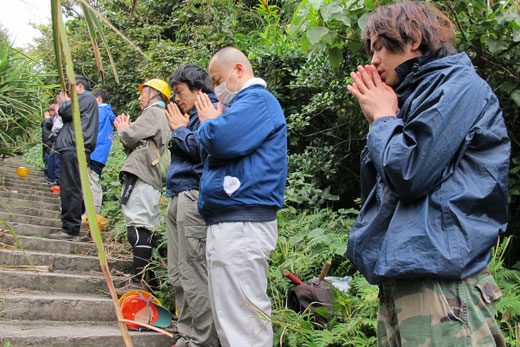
376 98
175 117
205 107
122 122
62 96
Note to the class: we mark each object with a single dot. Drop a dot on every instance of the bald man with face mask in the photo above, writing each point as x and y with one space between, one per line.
241 189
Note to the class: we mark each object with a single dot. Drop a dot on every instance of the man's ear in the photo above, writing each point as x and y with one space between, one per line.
240 69
417 43
80 88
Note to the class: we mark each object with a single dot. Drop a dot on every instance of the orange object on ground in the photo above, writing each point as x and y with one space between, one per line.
22 171
102 221
55 189
145 294
141 306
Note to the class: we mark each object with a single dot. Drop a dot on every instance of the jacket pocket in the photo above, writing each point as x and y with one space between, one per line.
212 187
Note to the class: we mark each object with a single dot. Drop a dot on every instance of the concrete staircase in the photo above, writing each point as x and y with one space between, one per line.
65 307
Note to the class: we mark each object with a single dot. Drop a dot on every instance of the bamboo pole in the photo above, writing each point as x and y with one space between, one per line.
62 46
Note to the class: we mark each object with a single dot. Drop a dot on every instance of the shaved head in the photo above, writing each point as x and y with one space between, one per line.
232 66
229 56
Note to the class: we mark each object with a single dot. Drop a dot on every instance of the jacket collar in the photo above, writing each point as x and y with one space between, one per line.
413 71
156 104
412 65
243 90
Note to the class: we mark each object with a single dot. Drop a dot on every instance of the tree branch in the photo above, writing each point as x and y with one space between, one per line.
450 6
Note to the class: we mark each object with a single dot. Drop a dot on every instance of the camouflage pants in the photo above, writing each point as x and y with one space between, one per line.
433 312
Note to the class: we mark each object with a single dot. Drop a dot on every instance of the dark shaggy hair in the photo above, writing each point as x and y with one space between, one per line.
195 78
102 93
84 81
407 22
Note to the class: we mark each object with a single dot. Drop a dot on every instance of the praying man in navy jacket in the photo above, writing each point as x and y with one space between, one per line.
241 189
187 269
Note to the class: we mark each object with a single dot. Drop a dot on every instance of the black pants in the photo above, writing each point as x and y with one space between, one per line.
70 193
97 167
45 155
142 243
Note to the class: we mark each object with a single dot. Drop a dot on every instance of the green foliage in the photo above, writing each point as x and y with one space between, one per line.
22 96
32 153
299 192
306 240
354 322
332 26
508 280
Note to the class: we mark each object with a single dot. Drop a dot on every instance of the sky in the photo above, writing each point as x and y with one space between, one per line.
16 16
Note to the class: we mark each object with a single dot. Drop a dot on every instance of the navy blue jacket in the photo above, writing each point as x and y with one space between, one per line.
246 164
186 166
434 178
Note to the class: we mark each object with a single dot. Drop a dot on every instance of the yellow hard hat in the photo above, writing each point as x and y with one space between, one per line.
160 85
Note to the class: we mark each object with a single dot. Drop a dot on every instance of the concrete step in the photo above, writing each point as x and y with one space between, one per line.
62 262
12 166
22 229
27 219
77 334
57 307
21 203
56 282
34 210
83 246
34 175
15 162
9 176
40 244
14 194
6 180
60 308
27 190
11 184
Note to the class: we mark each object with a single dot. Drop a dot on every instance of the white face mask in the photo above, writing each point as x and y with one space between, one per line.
223 94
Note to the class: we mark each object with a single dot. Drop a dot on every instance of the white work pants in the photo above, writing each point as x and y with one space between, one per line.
237 256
